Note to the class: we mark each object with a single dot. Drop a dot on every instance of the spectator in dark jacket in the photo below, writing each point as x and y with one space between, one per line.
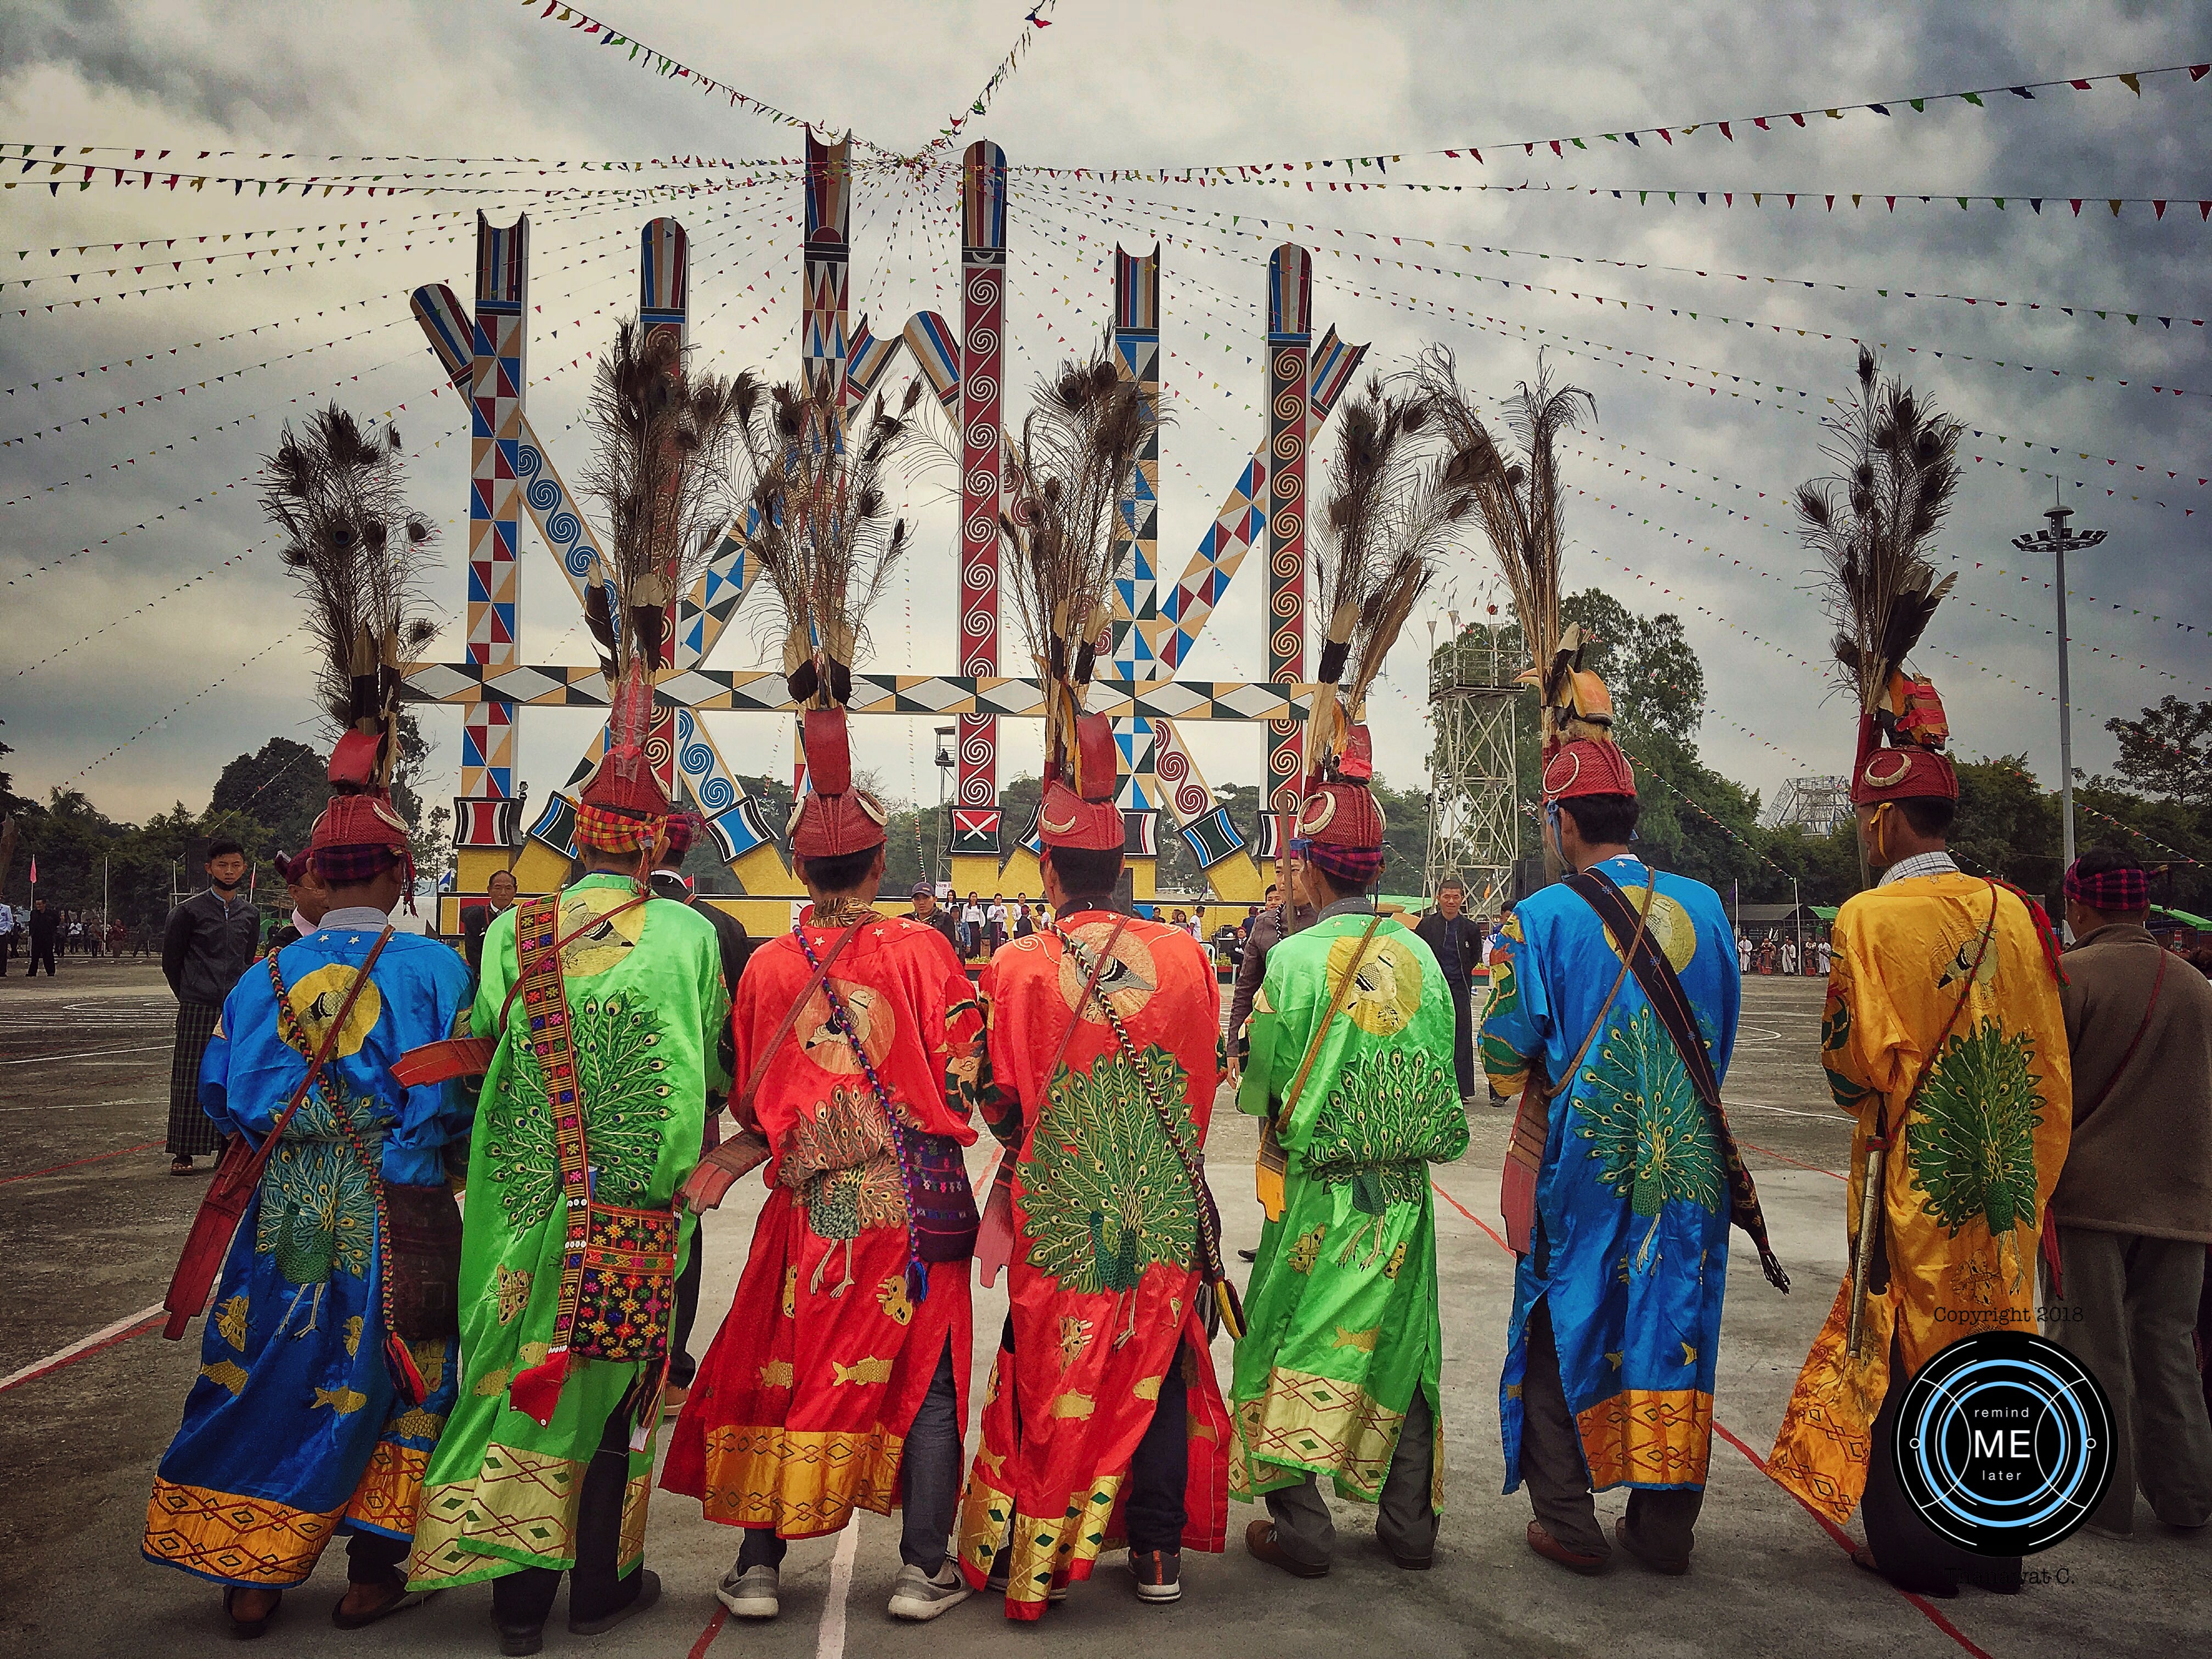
2133 1205
211 939
927 909
1456 942
46 929
477 919
1277 920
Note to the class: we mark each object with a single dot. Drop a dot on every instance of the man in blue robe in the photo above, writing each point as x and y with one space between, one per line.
1626 1183
295 1430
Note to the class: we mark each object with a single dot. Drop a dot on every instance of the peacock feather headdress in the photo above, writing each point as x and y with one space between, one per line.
337 491
1872 523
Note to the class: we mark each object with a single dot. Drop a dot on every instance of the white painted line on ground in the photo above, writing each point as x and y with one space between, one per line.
831 1644
79 1106
33 1060
61 1357
1837 1118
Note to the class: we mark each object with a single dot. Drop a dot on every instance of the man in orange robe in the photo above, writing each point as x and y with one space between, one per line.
1945 1039
837 1380
1104 1420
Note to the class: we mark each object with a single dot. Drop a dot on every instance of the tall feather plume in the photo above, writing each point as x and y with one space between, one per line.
1873 521
820 527
662 473
1066 475
1517 498
337 493
1398 495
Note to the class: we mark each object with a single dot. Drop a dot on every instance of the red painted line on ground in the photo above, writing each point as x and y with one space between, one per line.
1785 1158
1842 1538
54 1168
1843 1543
1469 1214
707 1636
122 1330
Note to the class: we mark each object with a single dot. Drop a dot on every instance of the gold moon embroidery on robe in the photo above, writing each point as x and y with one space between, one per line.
317 998
601 939
875 1021
1670 926
1126 982
1386 992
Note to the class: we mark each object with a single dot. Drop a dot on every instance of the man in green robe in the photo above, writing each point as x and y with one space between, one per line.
1337 1374
547 1460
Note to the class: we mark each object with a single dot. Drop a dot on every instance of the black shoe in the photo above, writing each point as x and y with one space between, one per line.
648 1592
1248 1255
518 1639
1158 1574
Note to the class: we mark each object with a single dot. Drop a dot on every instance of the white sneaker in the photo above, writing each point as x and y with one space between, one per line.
916 1597
750 1594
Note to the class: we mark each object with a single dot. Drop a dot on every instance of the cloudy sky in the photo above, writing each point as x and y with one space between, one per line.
147 634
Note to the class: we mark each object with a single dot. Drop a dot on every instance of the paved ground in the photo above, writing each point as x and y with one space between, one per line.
84 1075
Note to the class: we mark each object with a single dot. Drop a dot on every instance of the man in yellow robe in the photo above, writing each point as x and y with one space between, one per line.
1943 1037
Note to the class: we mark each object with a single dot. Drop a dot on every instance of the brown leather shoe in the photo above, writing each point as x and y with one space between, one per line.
1259 1540
1673 1566
1552 1550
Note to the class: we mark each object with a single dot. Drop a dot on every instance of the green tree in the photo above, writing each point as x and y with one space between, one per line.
2168 751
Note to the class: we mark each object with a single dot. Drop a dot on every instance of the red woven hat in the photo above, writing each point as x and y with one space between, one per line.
682 832
833 818
1901 740
1587 766
1083 814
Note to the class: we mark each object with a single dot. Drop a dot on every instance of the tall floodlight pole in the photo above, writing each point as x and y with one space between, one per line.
2058 541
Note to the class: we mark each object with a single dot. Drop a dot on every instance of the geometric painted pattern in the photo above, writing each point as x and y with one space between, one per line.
497 379
575 685
1135 598
1290 334
982 290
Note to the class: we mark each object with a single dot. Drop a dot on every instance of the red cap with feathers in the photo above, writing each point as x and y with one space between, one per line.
1080 811
1901 738
833 818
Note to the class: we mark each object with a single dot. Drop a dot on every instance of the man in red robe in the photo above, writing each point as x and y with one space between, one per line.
1102 1419
836 1382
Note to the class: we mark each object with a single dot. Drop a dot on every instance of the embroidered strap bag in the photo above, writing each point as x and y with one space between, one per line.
617 1264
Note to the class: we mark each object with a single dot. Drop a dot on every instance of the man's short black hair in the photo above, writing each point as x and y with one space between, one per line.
840 874
1086 872
496 874
219 848
1604 820
1454 885
1929 815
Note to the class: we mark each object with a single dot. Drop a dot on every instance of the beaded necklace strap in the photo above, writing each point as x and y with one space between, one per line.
917 1275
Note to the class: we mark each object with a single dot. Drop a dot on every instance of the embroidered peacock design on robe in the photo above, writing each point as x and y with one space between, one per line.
1120 1199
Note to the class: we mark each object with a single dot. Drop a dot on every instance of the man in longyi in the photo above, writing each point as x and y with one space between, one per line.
1943 1037
602 1006
1105 1058
838 1381
1621 1177
1350 1069
329 1361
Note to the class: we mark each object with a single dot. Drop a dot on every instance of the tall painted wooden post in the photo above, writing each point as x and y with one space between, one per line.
497 382
664 301
983 295
1136 534
1289 336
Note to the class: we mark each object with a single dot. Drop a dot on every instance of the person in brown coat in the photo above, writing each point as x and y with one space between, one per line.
2134 1201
